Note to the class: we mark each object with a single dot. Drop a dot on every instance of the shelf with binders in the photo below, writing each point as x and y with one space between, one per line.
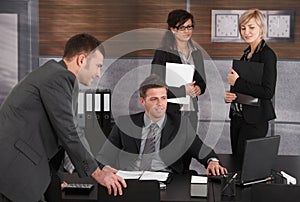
97 105
98 109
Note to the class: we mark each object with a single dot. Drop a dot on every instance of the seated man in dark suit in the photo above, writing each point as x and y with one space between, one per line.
154 140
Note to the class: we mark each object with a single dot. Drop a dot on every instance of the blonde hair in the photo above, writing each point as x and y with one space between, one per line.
259 19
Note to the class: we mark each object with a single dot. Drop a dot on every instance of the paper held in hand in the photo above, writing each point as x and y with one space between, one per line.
178 75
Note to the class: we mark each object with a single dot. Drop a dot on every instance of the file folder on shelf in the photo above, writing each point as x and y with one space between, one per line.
106 111
91 129
80 110
89 112
98 107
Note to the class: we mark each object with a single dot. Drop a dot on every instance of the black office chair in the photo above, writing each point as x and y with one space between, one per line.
136 191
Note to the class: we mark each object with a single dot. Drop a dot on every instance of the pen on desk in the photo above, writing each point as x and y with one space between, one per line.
229 181
259 181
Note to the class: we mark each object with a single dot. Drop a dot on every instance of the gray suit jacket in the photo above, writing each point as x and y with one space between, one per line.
178 139
36 121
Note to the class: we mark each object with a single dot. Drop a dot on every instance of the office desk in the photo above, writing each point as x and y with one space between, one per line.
289 164
179 188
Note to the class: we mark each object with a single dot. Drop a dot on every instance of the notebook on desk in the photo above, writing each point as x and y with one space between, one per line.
258 161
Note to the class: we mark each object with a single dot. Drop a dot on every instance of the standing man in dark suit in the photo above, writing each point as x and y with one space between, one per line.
172 138
37 126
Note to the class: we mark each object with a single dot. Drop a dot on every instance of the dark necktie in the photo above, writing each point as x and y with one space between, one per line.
68 165
149 148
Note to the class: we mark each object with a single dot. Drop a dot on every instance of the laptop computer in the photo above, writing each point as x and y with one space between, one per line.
258 161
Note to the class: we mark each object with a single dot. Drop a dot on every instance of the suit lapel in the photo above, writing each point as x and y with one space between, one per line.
138 120
167 133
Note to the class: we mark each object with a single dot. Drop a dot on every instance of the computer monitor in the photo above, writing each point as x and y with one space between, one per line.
259 158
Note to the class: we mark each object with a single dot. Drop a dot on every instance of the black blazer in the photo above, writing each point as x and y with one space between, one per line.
265 91
177 139
36 120
162 56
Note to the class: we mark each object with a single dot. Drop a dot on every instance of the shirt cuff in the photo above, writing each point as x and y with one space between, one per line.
212 159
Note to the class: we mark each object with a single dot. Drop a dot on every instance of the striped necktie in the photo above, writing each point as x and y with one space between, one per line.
149 148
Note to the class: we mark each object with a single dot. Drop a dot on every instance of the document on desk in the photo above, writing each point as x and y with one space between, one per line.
159 176
143 175
129 174
178 75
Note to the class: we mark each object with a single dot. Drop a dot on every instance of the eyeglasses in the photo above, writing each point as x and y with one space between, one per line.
182 28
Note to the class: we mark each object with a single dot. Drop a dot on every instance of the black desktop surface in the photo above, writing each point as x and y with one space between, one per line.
179 188
275 193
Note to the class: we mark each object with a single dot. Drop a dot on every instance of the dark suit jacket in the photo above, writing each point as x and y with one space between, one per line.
36 120
177 138
265 91
164 55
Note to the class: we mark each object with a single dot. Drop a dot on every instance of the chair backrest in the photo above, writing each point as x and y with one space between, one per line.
136 191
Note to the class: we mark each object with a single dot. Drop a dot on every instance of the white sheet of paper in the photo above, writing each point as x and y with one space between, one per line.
198 179
178 75
159 176
129 174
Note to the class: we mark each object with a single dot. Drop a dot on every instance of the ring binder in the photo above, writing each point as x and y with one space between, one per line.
106 112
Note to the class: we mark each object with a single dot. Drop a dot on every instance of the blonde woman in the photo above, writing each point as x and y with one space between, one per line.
248 122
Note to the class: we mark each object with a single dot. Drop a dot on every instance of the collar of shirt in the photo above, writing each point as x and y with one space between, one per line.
186 60
259 48
148 122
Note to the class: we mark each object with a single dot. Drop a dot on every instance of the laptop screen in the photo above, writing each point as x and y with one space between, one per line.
259 158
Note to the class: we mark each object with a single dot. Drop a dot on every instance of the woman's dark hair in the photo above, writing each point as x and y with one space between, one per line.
179 17
81 44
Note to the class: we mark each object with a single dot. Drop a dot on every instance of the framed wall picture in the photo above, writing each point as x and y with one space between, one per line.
227 25
224 26
280 26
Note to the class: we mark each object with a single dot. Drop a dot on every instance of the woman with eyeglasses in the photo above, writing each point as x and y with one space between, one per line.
178 47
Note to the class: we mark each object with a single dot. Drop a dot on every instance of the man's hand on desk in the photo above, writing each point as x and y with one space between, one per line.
110 180
109 169
214 168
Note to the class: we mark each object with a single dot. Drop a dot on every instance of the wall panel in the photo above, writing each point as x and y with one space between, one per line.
60 19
